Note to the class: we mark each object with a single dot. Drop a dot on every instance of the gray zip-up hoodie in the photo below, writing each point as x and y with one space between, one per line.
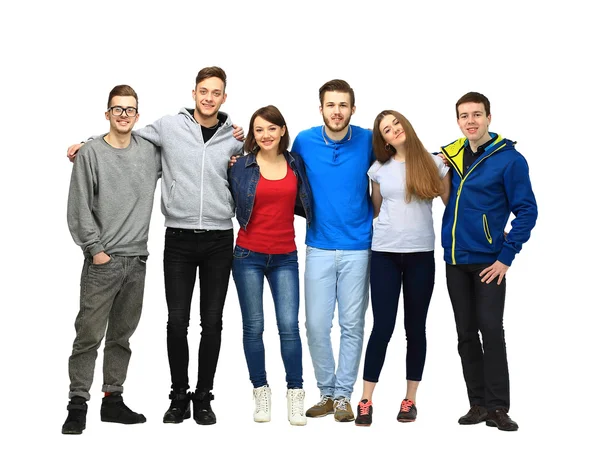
195 190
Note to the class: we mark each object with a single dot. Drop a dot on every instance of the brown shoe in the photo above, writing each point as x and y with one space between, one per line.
475 415
342 410
323 408
499 418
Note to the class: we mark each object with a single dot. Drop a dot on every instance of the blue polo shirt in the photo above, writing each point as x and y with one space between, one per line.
337 174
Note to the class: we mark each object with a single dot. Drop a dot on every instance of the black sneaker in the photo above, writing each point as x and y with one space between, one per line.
75 422
203 413
475 415
179 409
113 409
364 413
408 411
499 418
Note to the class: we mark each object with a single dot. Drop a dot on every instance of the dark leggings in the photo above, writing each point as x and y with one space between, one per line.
389 272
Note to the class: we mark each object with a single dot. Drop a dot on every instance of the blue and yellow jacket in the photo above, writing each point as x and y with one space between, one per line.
481 201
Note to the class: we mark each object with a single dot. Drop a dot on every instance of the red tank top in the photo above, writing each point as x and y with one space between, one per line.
271 226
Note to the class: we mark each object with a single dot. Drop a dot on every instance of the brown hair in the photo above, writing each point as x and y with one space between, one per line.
272 115
122 90
473 96
422 175
211 71
338 85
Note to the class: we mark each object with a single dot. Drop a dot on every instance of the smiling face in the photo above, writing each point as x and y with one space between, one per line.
122 124
474 123
209 96
392 131
336 110
267 135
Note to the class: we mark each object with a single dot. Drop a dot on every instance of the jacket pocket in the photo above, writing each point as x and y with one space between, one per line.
474 233
486 229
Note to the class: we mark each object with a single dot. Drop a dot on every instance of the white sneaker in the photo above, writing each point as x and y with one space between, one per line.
262 402
295 407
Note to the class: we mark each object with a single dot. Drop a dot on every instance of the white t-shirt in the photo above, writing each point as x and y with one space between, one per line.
401 226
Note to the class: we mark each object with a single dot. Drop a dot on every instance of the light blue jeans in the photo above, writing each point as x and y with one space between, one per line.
330 276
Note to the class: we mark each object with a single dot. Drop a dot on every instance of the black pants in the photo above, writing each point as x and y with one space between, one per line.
479 307
186 253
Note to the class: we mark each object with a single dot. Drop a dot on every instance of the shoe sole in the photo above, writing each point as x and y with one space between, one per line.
319 416
361 424
116 421
493 424
203 423
73 432
471 423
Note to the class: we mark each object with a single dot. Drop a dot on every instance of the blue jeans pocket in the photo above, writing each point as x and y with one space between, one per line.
240 252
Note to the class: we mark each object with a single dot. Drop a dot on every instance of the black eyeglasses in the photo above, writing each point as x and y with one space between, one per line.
117 111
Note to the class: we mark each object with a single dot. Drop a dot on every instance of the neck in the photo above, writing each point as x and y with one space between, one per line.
475 145
400 154
270 156
207 122
336 135
118 140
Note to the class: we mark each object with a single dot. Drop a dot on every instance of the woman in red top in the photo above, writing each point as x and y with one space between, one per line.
266 184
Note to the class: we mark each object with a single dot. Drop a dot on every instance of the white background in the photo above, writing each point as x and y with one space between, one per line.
536 61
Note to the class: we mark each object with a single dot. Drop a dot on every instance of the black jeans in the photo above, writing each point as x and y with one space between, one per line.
390 272
209 253
479 307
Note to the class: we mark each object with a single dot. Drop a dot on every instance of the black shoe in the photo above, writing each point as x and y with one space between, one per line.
475 415
113 409
499 418
203 414
408 411
364 413
75 423
179 409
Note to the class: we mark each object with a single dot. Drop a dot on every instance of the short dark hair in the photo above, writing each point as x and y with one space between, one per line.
122 90
211 71
336 85
272 115
473 96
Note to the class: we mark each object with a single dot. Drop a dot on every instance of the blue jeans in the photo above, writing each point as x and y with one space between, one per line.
330 276
281 270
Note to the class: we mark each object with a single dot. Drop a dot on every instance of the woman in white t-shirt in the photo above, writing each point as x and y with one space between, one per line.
405 179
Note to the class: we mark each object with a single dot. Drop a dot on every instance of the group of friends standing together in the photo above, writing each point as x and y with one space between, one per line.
339 177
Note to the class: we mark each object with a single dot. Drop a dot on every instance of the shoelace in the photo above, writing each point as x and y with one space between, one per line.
297 401
363 409
406 405
262 401
323 401
341 404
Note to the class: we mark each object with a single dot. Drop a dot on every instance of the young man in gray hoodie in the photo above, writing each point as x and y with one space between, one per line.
196 145
110 204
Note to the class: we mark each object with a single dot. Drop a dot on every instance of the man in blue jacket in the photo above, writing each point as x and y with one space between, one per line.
490 180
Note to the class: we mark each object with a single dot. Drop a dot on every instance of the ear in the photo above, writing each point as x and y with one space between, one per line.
321 110
107 115
283 129
224 98
489 117
137 117
194 94
353 110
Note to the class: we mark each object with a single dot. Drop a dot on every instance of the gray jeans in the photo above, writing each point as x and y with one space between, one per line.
111 294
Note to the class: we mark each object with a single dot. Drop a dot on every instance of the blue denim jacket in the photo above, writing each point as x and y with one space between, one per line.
243 179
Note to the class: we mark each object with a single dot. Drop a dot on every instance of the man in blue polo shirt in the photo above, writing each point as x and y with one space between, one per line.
337 156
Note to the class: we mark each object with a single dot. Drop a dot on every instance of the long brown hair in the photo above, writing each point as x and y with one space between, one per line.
422 175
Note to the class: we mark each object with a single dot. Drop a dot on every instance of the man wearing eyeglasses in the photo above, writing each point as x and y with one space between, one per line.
109 208
196 145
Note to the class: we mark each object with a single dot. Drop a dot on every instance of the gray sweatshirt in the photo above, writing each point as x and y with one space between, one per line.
195 190
111 197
